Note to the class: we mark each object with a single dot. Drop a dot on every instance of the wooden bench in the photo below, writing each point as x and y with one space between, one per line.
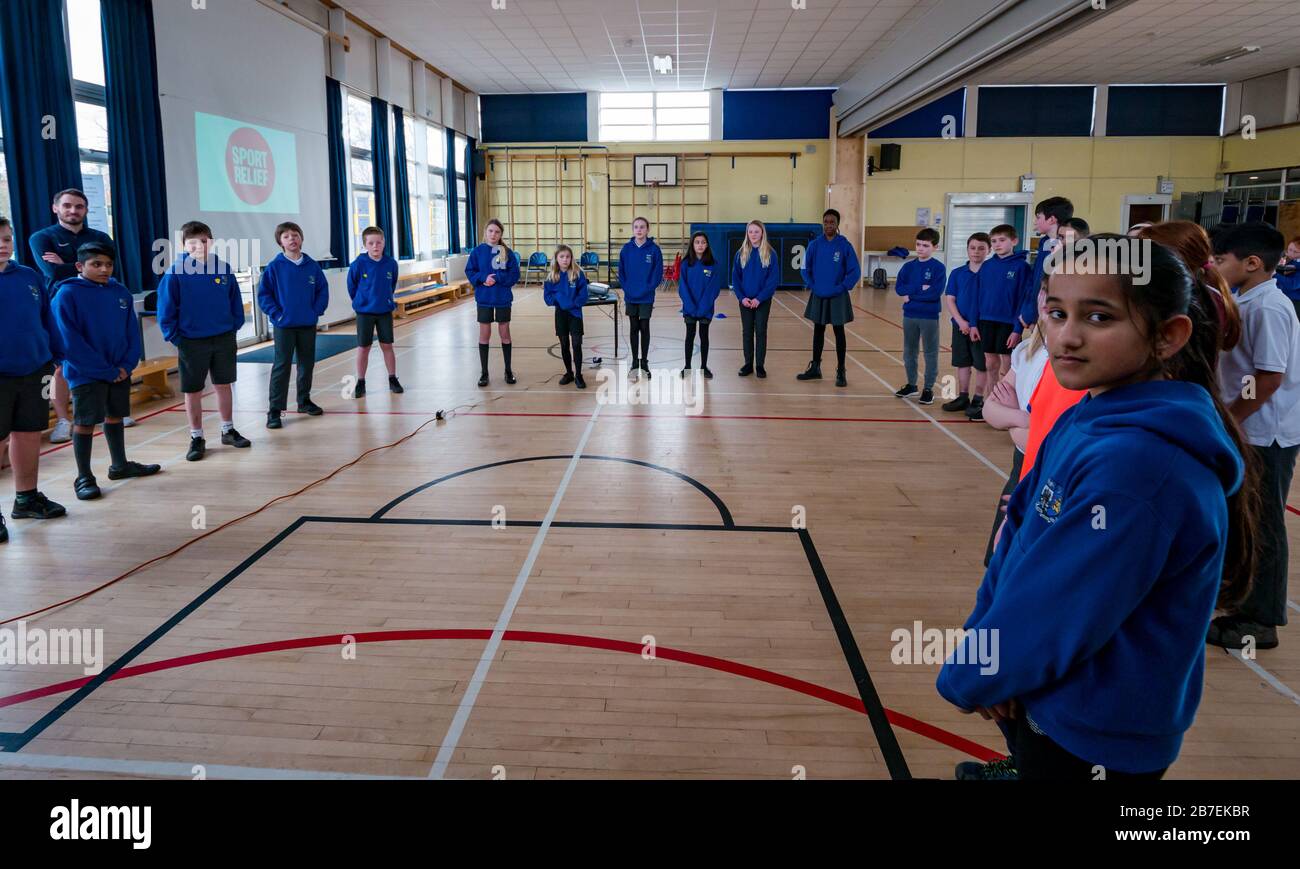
152 374
421 291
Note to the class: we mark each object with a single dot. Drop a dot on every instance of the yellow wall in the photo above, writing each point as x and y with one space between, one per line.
1095 174
1278 148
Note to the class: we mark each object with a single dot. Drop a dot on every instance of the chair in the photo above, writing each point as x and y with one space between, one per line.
537 260
590 260
673 273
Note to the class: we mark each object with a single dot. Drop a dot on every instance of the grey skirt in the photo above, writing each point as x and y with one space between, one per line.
835 311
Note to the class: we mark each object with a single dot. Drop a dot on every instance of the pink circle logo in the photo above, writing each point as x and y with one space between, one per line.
250 166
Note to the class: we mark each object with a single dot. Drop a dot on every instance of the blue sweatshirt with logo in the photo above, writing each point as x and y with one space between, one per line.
1290 284
99 331
699 287
199 299
62 242
565 294
1106 577
1001 294
1029 303
372 284
640 271
29 339
292 295
482 262
754 280
913 279
831 268
963 284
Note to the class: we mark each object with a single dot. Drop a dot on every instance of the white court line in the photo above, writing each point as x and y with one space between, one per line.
1268 677
940 426
1293 606
174 769
449 742
840 396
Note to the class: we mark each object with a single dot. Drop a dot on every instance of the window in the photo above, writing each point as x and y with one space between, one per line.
436 161
467 239
86 58
362 172
661 116
4 178
417 194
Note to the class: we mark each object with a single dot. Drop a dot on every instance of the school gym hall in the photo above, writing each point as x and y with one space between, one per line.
649 389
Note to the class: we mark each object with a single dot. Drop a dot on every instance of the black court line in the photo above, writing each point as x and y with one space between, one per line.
882 730
709 493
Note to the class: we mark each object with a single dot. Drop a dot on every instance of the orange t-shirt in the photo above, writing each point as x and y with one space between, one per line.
1046 405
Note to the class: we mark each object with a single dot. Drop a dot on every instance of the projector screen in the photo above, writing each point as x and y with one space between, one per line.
242 90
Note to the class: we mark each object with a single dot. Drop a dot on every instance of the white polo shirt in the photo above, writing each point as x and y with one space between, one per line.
1270 341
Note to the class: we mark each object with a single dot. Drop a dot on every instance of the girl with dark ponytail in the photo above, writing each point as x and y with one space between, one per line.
1135 523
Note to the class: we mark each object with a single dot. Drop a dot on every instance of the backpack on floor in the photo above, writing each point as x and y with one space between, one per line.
879 279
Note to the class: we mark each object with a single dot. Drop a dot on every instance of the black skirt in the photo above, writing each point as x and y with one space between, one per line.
835 311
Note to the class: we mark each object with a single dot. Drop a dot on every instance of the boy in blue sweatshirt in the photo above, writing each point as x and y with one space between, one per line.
1086 640
199 310
294 294
1288 273
1049 216
102 344
831 272
921 283
372 286
54 250
1003 282
29 349
963 284
640 272
493 271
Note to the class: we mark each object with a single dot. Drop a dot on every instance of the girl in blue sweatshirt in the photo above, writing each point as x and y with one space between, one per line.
830 272
1136 521
699 286
640 272
755 275
294 294
493 271
565 289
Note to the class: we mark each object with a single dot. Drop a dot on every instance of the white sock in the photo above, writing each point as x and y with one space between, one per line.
226 426
196 432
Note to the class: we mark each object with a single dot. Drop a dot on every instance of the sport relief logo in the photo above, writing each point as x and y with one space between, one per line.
250 167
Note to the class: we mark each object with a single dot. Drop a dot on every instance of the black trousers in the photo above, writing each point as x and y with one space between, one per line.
1039 758
1266 603
299 342
754 323
1017 462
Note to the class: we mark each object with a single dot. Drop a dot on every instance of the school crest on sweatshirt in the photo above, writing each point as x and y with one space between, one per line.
36 293
1049 502
835 257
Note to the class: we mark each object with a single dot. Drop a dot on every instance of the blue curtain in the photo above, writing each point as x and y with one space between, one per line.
471 184
405 235
338 158
382 161
36 110
455 230
135 139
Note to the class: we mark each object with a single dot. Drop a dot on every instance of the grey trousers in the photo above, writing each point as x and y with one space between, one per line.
916 332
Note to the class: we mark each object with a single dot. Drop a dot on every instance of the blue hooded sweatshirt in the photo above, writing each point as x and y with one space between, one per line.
1106 576
831 268
1290 284
293 295
699 287
1029 302
1001 294
199 299
29 339
640 271
372 284
922 304
566 295
481 264
753 280
963 284
99 331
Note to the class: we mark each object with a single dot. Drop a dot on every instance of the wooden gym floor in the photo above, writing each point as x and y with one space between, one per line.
645 609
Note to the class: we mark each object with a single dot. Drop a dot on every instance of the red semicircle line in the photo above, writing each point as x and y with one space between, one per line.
810 689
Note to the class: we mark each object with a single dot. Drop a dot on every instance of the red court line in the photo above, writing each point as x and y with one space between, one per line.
1293 510
723 665
99 432
650 416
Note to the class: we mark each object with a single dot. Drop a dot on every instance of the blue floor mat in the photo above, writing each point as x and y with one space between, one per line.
326 346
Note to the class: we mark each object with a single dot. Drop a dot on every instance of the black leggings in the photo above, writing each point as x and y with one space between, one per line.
639 326
704 342
819 342
573 353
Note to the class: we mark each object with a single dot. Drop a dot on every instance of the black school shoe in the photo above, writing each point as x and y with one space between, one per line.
907 391
359 391
927 396
567 378
37 507
1233 632
813 372
198 449
976 410
132 469
745 370
762 373
841 378
483 380
958 404
273 420
86 488
510 378
234 439
708 375
4 532
579 382
394 386
311 408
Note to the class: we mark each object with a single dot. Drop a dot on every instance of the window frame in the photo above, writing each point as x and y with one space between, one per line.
650 120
